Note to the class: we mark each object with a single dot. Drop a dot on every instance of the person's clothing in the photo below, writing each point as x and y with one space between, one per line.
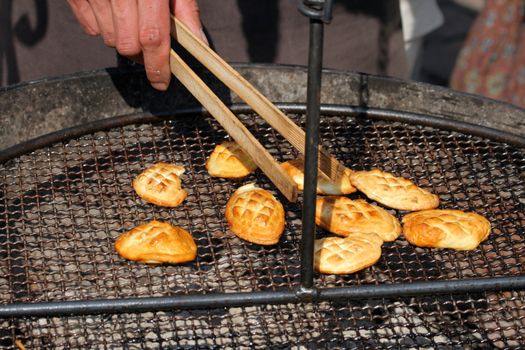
492 60
418 18
441 47
364 36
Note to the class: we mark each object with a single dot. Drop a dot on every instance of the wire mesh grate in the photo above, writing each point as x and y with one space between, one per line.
63 206
480 321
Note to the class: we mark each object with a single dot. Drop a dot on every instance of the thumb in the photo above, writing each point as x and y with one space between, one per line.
187 11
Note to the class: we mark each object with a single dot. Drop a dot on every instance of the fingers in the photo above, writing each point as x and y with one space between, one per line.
154 39
139 29
104 18
85 16
126 24
187 11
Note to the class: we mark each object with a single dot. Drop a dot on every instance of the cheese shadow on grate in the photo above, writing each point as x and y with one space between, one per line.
66 205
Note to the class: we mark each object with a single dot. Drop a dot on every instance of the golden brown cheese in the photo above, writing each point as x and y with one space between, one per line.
295 167
157 242
343 216
160 184
228 160
255 215
446 228
394 192
337 255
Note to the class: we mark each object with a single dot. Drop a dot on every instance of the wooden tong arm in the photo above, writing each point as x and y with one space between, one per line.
233 126
328 165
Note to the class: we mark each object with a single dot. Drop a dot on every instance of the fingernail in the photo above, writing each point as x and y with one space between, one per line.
160 86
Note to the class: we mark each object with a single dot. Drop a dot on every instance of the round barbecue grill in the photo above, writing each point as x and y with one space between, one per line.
66 195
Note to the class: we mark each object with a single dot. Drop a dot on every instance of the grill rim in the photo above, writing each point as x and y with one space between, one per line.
61 102
334 109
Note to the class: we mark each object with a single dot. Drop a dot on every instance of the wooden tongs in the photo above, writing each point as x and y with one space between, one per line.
328 165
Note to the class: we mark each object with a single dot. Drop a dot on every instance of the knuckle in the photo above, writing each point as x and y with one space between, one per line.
128 47
150 37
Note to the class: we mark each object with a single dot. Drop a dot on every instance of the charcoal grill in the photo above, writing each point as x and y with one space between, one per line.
66 196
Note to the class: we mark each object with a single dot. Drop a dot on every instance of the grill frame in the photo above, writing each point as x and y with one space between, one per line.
57 103
295 295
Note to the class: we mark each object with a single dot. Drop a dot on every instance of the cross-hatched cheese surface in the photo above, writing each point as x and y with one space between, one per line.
343 216
392 191
157 242
337 255
255 215
228 160
446 228
160 184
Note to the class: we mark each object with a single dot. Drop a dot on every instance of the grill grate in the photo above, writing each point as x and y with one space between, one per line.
62 207
481 321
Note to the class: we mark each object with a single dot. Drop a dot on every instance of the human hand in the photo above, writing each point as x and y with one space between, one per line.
139 29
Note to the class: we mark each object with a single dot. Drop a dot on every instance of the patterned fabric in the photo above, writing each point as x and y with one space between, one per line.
492 61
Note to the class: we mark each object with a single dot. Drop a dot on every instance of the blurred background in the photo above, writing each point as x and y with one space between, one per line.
442 42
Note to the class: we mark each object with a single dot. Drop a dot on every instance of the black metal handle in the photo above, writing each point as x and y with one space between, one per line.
317 9
319 12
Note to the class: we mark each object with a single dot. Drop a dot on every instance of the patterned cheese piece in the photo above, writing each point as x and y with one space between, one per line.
160 184
157 242
445 228
255 215
295 167
343 216
394 192
228 160
338 255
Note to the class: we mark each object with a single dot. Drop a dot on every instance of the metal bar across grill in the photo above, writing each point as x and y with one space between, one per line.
63 205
